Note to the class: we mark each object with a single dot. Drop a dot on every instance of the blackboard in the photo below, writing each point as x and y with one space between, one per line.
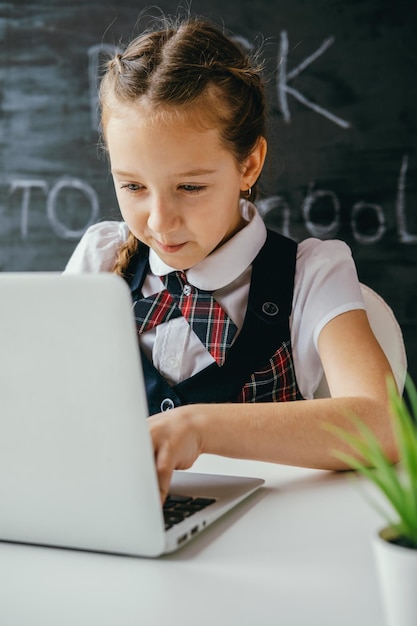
342 132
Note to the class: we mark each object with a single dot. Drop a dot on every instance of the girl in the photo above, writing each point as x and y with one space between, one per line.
228 313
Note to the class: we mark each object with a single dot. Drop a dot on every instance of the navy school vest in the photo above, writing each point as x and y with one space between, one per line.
259 365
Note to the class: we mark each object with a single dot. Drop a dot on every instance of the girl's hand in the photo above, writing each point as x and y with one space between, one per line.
176 441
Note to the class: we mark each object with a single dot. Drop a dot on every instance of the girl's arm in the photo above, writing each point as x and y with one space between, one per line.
289 433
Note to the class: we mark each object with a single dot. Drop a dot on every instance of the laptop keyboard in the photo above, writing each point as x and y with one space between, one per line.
176 508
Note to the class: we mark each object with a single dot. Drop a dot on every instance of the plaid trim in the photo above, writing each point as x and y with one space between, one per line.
209 322
150 312
275 382
207 319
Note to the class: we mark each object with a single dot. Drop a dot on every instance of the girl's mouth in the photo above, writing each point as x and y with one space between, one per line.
169 248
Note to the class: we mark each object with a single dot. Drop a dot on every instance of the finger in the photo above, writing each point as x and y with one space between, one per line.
164 470
163 495
163 488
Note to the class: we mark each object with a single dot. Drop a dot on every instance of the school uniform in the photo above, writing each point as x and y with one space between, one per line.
272 357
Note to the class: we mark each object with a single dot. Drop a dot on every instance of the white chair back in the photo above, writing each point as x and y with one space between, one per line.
389 335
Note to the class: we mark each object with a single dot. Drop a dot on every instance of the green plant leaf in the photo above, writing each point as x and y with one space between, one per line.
368 448
405 430
398 484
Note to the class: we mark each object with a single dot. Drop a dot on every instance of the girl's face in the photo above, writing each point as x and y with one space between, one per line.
178 188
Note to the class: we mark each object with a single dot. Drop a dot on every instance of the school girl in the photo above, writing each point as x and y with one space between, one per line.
236 324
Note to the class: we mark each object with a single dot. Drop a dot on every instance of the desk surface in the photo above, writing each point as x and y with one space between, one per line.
296 553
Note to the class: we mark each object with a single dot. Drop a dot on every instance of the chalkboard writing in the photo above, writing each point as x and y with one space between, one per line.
342 131
285 77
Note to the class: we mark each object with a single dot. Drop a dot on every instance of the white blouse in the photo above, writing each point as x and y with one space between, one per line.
326 285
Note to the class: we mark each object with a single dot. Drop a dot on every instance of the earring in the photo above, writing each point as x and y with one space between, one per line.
248 192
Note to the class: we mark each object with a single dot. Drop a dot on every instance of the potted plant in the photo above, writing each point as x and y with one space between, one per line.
395 546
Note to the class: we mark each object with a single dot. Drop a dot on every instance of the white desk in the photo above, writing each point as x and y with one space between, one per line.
296 553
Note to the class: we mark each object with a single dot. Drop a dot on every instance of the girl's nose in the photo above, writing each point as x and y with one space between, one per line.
163 216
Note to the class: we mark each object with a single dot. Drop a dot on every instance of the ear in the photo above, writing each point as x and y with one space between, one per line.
253 165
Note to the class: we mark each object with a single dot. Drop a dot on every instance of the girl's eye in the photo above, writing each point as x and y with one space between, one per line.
130 187
192 188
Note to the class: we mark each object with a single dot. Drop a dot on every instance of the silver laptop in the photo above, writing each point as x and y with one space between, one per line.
76 459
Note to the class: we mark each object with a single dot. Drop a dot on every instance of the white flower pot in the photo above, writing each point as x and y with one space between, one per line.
397 573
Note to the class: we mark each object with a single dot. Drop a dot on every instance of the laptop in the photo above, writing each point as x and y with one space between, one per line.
76 459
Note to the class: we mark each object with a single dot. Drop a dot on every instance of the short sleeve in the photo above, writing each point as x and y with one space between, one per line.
96 251
326 285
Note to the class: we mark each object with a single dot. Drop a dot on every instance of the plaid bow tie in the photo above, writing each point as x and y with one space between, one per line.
207 319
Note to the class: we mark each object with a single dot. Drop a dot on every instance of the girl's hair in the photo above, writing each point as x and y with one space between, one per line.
189 67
